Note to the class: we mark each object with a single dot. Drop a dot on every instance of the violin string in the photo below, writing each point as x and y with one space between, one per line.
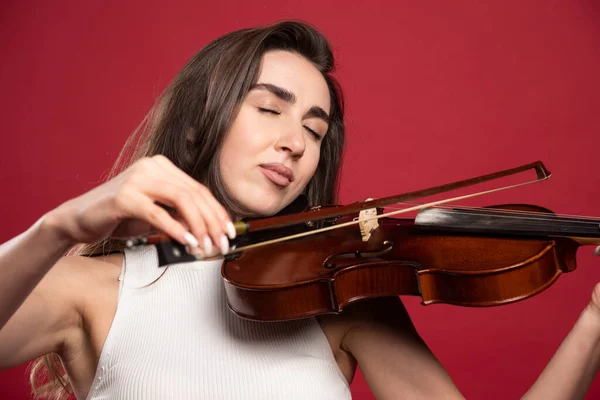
545 216
548 215
539 220
538 215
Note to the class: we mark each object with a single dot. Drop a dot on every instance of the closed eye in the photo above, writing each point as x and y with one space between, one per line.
315 134
268 110
275 112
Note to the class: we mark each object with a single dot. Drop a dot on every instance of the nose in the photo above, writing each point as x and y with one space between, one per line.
292 140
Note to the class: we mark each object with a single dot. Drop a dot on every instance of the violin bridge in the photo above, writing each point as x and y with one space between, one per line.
368 222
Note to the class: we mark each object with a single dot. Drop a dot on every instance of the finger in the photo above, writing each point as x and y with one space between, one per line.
218 223
161 186
211 224
142 207
198 250
216 227
597 251
221 214
182 199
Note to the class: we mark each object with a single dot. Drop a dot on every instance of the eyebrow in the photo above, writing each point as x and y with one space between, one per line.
289 97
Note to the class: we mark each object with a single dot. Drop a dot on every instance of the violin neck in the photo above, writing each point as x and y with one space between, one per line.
508 222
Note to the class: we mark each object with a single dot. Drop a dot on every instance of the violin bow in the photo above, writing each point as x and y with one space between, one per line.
542 173
316 214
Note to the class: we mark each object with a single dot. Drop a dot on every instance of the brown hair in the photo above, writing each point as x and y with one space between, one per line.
190 119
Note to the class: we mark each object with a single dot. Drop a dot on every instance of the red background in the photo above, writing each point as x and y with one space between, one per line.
436 91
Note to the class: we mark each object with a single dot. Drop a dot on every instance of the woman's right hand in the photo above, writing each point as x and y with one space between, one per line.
127 206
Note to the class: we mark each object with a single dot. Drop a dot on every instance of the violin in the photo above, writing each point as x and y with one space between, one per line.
316 261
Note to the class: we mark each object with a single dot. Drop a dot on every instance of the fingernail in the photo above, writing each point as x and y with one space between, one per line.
207 245
190 239
230 230
224 245
195 251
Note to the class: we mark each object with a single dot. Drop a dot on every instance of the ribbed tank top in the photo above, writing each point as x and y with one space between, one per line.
177 339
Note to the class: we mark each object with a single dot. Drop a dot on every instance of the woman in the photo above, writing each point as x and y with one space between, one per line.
252 122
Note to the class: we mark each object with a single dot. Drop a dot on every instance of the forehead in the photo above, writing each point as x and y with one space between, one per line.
295 73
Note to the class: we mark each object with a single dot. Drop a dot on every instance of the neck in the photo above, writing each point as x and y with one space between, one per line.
508 222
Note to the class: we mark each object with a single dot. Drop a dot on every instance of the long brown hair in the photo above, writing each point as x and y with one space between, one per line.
190 119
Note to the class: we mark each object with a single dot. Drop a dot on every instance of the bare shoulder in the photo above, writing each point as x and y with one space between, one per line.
100 278
93 292
72 284
90 265
93 271
77 278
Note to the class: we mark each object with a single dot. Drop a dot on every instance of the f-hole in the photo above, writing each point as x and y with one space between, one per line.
330 262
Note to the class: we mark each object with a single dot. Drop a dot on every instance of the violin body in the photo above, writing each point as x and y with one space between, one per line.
324 273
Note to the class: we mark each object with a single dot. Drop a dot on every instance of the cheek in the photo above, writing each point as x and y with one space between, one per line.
311 162
236 142
245 133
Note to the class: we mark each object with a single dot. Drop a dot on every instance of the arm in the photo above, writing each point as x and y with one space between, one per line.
25 260
575 364
41 291
48 318
396 363
394 360
41 300
123 206
54 318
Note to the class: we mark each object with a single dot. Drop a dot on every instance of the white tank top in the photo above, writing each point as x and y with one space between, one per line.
177 339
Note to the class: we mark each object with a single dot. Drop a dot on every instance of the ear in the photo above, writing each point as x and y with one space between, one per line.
190 145
191 135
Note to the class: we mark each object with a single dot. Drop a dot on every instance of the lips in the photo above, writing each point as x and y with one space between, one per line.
278 173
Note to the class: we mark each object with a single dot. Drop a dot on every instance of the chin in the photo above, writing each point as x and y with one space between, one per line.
269 211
